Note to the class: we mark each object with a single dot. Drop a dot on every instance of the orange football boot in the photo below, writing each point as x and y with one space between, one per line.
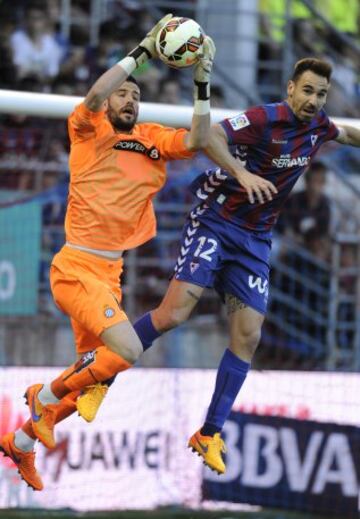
25 461
43 417
210 448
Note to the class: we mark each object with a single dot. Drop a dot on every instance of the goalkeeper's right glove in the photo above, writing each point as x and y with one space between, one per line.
146 48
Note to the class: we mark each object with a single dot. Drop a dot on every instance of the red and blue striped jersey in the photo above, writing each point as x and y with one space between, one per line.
272 143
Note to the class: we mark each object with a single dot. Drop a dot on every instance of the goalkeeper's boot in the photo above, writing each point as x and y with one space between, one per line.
211 449
90 400
43 417
25 461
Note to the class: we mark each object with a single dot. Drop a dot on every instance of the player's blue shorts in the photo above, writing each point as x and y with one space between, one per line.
216 253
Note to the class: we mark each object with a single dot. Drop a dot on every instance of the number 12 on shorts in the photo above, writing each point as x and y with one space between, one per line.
211 245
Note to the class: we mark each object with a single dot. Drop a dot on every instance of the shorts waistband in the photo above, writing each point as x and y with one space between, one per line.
88 256
111 255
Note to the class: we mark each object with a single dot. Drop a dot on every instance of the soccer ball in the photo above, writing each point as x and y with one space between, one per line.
179 41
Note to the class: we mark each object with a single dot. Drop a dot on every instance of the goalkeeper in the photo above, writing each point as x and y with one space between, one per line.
116 168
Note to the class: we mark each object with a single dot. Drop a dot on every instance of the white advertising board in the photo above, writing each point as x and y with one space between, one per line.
134 454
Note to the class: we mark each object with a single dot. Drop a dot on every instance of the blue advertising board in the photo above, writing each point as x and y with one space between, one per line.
20 241
286 463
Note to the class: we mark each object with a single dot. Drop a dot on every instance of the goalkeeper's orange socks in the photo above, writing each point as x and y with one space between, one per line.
95 366
25 437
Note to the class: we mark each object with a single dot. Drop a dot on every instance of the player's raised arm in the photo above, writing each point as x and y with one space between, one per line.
198 135
218 150
348 135
116 75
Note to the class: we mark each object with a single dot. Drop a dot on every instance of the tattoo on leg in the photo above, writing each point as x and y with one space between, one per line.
233 304
197 298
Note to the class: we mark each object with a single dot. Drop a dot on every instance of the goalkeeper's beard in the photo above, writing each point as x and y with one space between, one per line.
120 124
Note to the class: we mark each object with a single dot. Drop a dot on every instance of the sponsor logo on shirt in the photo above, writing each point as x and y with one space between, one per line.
279 141
138 147
239 121
286 161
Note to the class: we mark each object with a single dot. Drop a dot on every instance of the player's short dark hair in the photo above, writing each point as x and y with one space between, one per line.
131 79
318 66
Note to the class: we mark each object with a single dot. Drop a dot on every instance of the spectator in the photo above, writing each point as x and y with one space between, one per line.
217 97
170 92
36 51
343 18
348 280
309 209
7 68
74 68
106 53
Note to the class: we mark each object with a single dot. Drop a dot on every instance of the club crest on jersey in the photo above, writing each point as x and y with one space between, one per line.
133 145
108 311
239 121
193 267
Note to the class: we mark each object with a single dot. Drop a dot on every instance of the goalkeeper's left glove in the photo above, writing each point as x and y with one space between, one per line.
146 48
202 70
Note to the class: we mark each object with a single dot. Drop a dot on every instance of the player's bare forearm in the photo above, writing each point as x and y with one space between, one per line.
198 136
218 151
114 77
104 86
349 135
256 187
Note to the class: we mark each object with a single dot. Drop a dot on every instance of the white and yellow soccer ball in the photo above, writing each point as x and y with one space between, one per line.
179 42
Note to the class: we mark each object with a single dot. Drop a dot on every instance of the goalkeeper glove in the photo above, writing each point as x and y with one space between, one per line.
146 49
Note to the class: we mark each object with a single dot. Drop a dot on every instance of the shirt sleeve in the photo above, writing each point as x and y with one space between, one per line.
170 142
333 131
246 127
82 123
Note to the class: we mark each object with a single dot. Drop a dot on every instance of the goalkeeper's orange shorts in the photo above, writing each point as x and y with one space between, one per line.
87 288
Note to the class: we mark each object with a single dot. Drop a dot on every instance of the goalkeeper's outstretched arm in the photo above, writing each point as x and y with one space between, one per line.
116 75
198 136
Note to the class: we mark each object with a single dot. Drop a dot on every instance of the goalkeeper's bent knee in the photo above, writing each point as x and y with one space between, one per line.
95 366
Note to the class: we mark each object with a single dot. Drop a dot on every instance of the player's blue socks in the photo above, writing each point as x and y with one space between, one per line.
146 331
230 377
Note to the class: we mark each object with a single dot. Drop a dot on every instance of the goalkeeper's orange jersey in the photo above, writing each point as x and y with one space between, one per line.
113 178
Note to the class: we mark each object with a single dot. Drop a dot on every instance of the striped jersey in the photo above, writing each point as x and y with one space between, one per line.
113 179
271 142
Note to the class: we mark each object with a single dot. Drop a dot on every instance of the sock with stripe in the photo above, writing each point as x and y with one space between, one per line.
24 441
46 396
25 438
146 330
96 366
230 377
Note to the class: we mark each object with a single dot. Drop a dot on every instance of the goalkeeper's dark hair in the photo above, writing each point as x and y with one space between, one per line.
131 79
318 66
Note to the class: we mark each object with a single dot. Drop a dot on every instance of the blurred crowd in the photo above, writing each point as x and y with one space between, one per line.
330 31
40 53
